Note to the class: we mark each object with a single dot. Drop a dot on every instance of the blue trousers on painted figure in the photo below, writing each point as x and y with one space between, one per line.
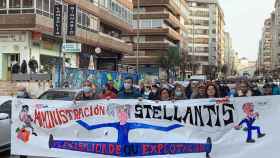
250 128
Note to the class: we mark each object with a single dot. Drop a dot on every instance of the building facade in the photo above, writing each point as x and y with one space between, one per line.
26 31
158 25
265 56
275 16
229 54
206 34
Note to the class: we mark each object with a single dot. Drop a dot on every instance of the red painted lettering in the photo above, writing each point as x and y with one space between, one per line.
144 149
118 150
111 149
159 148
86 112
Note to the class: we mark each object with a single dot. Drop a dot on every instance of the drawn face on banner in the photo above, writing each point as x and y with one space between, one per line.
122 112
248 108
123 116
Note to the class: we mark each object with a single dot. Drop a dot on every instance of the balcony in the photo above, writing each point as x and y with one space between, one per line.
45 25
131 60
166 31
103 14
170 4
152 46
170 18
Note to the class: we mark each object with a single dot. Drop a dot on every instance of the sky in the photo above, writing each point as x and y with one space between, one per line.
244 21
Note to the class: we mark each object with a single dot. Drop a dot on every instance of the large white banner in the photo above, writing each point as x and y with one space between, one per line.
130 128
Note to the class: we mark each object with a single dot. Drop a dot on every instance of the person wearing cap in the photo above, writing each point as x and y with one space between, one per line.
128 91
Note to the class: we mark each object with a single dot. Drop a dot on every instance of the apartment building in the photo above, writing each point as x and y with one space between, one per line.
26 31
206 34
158 25
275 17
265 57
229 53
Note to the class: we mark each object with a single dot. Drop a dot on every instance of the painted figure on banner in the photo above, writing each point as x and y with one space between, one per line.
251 117
123 126
26 118
123 147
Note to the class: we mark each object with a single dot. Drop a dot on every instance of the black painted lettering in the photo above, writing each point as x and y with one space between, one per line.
165 114
210 108
157 111
197 110
218 123
188 112
228 110
176 113
138 111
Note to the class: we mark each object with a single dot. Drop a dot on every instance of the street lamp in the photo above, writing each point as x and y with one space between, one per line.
93 57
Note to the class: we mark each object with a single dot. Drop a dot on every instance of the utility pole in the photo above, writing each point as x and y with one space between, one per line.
64 36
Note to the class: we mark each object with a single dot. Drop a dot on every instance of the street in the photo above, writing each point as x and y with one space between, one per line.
6 154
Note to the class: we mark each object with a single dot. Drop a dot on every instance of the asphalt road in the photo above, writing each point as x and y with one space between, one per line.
6 154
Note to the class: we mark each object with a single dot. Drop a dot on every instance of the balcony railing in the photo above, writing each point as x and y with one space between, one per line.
28 77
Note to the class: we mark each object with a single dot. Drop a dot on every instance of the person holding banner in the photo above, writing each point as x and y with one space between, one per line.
179 92
107 93
212 91
165 94
128 91
243 90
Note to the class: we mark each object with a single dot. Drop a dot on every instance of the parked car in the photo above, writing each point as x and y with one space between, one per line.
65 94
5 123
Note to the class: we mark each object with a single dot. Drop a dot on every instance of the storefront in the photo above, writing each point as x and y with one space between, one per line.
23 45
13 49
105 60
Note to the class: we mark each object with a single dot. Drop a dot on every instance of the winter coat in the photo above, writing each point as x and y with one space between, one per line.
23 68
132 94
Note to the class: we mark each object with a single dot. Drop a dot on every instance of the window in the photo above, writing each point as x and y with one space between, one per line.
141 9
39 4
27 4
14 3
94 23
6 107
145 23
52 2
142 39
95 2
79 17
214 31
3 4
87 21
84 17
156 23
103 3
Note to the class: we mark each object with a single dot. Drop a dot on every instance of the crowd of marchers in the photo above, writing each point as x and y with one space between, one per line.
165 91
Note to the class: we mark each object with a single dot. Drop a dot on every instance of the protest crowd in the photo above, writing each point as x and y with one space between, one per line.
165 91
